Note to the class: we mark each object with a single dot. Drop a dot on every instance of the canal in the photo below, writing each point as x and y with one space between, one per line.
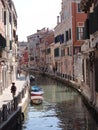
62 109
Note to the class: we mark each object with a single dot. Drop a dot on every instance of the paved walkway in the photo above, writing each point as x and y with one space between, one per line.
7 95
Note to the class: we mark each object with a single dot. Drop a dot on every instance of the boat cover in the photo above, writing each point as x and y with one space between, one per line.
36 88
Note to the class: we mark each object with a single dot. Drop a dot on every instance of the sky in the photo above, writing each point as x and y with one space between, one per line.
34 15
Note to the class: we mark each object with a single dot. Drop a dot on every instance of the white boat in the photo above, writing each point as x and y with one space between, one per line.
39 93
37 99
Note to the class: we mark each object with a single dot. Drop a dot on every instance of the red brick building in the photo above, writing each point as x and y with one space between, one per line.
78 21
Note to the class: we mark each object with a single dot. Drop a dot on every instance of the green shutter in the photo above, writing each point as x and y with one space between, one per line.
77 34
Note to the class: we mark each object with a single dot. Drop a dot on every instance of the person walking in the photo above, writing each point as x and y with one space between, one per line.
18 73
13 89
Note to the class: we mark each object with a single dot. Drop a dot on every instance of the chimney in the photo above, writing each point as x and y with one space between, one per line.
57 19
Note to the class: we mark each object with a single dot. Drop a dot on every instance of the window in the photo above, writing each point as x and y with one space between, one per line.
69 34
59 38
56 52
10 19
78 8
48 51
66 35
77 50
62 52
68 51
80 31
4 17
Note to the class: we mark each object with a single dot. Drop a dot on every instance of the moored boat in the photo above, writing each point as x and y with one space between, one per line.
32 78
36 88
39 93
37 100
36 95
36 91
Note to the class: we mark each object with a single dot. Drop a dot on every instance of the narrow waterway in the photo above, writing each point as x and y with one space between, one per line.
62 109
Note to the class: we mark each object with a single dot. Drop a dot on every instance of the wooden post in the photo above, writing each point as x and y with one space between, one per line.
4 112
15 103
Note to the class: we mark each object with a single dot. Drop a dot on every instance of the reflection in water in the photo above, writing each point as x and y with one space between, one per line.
62 109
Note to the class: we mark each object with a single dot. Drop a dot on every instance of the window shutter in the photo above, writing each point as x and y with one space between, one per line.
4 17
77 33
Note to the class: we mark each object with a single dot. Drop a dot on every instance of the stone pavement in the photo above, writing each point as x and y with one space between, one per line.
7 95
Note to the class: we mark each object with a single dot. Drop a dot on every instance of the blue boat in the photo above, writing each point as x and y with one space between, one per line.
36 94
36 88
36 91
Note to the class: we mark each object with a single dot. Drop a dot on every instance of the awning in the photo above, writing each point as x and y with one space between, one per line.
2 42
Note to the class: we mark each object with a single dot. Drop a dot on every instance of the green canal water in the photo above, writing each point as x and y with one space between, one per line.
62 109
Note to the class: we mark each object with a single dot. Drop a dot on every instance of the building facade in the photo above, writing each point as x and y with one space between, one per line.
8 43
90 51
68 37
2 48
38 46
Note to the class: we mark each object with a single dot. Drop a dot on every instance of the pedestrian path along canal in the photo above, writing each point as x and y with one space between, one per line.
62 109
